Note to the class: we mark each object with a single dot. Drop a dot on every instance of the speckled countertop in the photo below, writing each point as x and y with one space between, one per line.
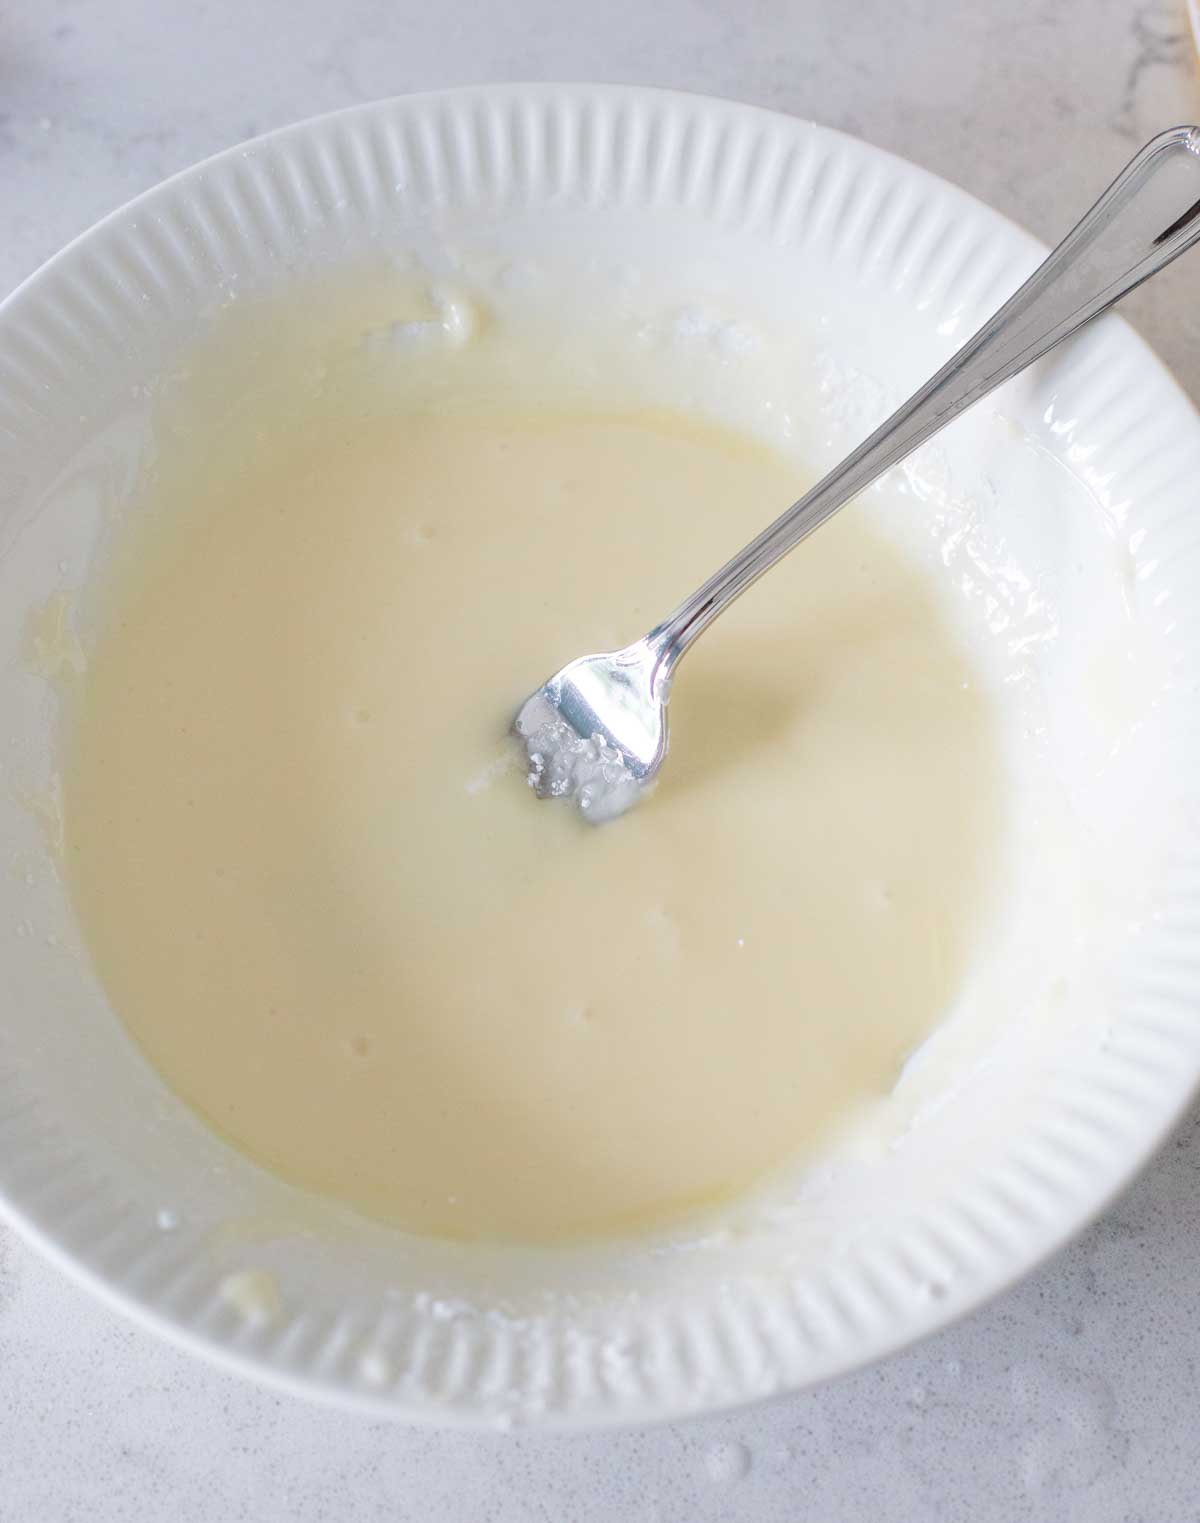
1073 1398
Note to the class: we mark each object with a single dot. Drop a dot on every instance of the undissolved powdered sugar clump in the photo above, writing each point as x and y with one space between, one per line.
563 765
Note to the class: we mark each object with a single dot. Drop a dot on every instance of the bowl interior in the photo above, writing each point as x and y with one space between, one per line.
1054 517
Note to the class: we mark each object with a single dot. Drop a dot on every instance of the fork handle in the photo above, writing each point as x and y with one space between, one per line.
1148 216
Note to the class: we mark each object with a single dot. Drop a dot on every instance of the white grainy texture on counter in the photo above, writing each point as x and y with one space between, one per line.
1071 1398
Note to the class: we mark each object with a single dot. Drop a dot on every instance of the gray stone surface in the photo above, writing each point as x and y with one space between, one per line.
1073 1398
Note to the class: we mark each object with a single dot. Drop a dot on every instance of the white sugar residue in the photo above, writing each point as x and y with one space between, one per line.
589 773
851 399
454 323
700 327
253 1294
53 650
443 1309
508 761
375 1367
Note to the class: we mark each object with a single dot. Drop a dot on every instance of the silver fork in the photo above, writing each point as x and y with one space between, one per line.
596 732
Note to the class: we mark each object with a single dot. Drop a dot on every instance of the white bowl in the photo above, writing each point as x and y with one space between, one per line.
1068 500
